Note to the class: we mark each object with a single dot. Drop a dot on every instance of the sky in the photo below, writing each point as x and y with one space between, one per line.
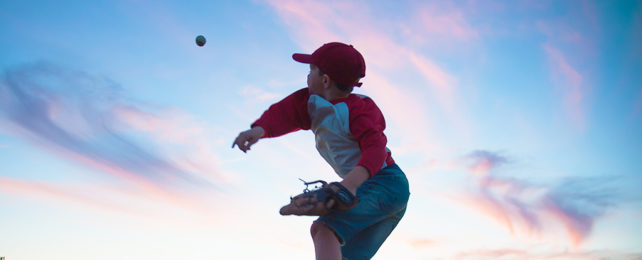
517 124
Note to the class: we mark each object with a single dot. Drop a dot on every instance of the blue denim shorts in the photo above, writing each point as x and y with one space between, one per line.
363 229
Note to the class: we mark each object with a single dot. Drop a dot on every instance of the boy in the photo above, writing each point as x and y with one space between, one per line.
349 135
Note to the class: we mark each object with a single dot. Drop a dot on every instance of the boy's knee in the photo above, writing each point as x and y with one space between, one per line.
317 227
321 231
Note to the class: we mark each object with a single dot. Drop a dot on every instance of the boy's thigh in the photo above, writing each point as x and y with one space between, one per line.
367 242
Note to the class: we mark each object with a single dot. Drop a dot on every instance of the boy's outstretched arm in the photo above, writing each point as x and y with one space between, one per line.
355 178
248 138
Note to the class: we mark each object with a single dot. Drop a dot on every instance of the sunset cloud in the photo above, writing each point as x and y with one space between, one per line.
151 206
59 192
306 14
422 243
519 254
83 118
313 23
572 83
520 206
259 94
577 203
438 24
571 51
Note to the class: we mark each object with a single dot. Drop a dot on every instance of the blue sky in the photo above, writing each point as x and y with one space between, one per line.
517 122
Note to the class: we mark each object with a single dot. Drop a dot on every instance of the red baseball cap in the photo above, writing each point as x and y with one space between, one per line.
342 62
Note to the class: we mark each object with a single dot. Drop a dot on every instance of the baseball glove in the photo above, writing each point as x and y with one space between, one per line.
320 201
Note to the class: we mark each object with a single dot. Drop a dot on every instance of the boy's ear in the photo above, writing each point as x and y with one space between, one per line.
326 80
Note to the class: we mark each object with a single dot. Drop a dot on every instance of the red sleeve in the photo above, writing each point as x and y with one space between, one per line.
286 116
367 125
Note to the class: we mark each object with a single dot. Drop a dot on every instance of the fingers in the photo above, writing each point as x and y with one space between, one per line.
244 141
240 143
235 140
234 143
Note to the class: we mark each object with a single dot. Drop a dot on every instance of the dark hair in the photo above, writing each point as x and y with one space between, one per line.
343 88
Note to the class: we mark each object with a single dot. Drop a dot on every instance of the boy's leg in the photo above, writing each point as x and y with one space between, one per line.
326 243
383 199
366 243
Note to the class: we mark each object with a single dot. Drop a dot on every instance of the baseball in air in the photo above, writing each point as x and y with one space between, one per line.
200 40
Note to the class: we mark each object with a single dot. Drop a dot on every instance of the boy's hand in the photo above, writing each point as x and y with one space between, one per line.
248 138
355 178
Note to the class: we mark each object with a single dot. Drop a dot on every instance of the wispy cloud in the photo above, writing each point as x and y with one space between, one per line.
572 53
305 14
518 254
259 94
438 26
483 161
518 205
59 192
181 137
572 83
312 23
419 243
577 203
202 210
443 82
85 119
493 254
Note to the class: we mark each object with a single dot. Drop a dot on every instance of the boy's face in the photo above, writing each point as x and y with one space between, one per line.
315 81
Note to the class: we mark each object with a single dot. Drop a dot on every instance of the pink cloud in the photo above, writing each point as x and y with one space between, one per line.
572 83
261 94
183 138
421 135
572 50
482 162
442 82
481 168
493 254
519 254
133 184
313 23
420 243
519 206
489 206
129 201
306 14
577 227
439 26
80 117
58 192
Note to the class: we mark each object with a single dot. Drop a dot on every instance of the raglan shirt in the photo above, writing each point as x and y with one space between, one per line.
348 131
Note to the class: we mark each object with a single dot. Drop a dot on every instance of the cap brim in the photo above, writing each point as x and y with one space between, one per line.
304 58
